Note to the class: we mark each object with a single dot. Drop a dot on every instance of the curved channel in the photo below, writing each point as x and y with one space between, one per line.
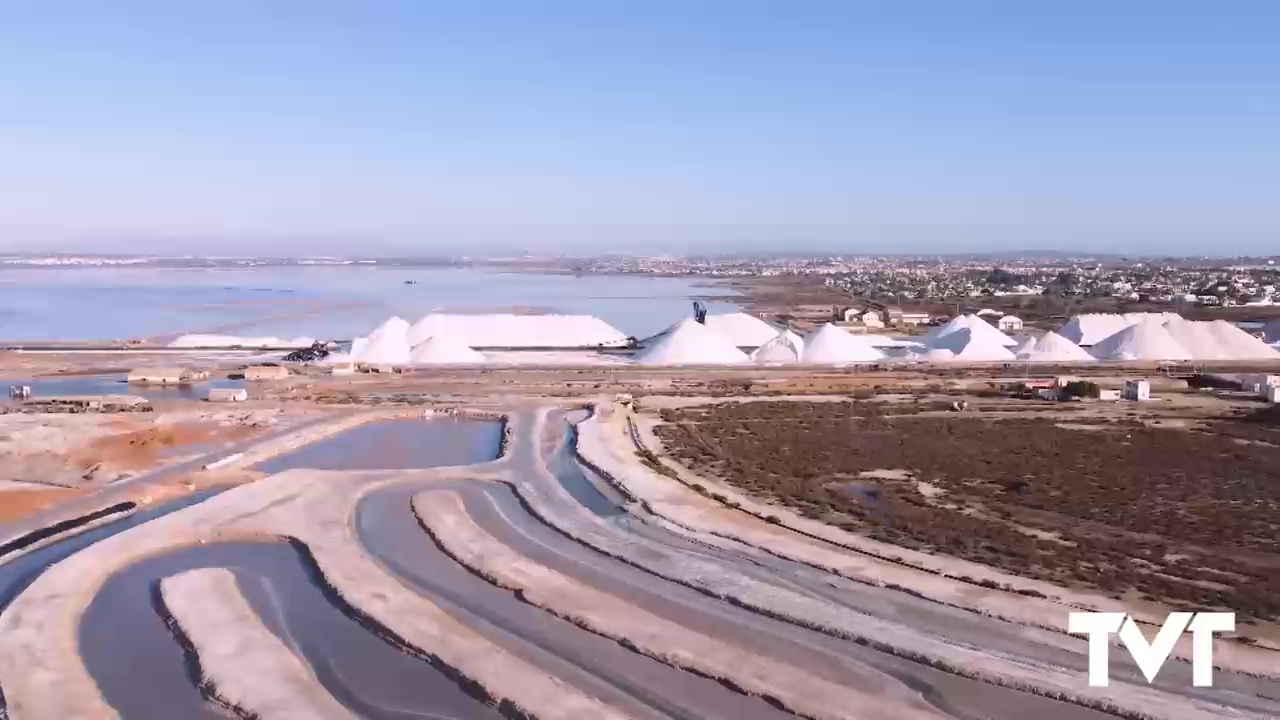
143 672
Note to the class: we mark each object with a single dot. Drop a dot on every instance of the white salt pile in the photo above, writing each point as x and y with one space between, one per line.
198 340
443 350
1052 347
1240 345
388 344
787 347
972 344
1147 340
830 344
1197 338
519 331
1218 340
741 329
976 326
1092 328
1025 344
690 343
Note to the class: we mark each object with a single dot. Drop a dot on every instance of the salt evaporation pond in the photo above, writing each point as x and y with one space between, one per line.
116 385
143 673
403 444
19 572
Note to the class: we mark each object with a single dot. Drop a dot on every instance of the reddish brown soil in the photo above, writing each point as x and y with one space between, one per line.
21 504
146 447
1191 518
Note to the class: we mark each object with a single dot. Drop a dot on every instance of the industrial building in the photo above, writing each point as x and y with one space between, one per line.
166 376
266 372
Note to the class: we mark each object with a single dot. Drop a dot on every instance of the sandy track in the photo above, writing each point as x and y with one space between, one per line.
242 663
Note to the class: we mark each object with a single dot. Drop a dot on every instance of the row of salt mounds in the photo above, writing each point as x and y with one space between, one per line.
1218 340
1092 328
972 344
691 343
1052 347
787 347
519 331
977 327
197 340
388 344
1146 340
444 350
830 344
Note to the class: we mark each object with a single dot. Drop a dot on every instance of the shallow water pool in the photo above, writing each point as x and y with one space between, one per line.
397 445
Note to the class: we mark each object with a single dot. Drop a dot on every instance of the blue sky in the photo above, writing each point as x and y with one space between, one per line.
472 125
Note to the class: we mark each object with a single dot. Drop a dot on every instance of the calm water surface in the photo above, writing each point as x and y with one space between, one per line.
330 302
397 445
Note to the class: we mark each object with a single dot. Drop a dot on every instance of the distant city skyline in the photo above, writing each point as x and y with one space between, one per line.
475 128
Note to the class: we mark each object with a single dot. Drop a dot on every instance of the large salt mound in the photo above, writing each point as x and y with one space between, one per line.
1052 347
1197 338
387 345
741 329
971 344
443 350
830 344
1092 328
519 331
1240 345
976 326
787 347
691 343
198 340
1148 340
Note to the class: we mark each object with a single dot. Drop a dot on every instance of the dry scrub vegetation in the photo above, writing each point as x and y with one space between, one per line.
1191 518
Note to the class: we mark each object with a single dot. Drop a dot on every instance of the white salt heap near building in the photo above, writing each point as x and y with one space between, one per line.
976 326
691 343
741 329
1052 347
972 344
444 350
1147 340
832 345
519 331
787 347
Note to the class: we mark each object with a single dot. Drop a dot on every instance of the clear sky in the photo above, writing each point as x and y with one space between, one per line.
468 125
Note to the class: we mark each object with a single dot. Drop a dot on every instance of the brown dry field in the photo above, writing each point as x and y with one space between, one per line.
1188 516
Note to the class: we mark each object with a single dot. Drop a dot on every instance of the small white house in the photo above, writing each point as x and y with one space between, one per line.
1137 390
1105 394
1009 323
871 319
1273 394
849 314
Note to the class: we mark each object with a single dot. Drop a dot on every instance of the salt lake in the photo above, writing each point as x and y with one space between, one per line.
61 304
